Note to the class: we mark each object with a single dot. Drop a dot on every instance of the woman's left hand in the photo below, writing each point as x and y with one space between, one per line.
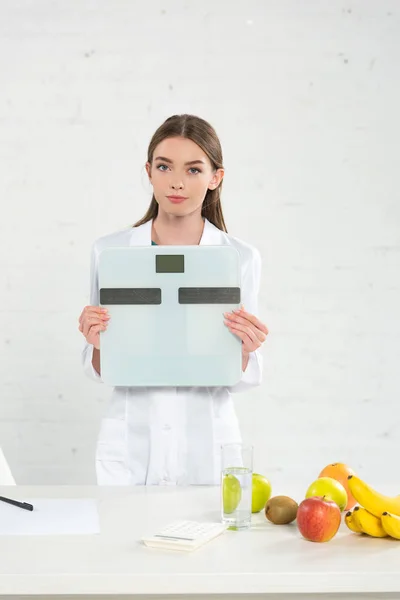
248 328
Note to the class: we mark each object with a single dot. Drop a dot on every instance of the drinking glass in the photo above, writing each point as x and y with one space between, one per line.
236 485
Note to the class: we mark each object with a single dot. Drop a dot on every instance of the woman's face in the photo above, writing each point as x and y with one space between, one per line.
181 168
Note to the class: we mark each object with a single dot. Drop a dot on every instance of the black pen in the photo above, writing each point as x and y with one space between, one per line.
24 505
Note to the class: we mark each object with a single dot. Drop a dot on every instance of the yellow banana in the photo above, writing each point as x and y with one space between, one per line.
368 523
350 522
372 500
391 524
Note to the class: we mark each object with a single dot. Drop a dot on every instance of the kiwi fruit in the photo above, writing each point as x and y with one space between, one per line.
281 510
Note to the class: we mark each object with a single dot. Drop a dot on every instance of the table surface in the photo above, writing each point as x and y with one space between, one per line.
266 559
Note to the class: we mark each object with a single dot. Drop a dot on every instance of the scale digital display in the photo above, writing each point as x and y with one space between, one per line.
170 263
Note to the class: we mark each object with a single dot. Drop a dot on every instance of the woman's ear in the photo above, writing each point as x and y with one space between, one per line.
148 169
216 180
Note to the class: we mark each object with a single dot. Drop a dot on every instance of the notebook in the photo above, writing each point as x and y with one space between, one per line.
184 535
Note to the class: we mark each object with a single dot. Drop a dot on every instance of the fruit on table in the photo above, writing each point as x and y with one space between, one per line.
340 472
372 500
391 524
350 522
368 523
318 520
328 489
260 493
281 510
231 493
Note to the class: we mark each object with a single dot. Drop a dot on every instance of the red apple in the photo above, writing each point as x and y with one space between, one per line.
318 520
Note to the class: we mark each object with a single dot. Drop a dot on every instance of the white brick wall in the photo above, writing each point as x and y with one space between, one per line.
305 97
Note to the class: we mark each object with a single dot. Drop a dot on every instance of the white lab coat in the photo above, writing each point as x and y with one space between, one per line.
170 435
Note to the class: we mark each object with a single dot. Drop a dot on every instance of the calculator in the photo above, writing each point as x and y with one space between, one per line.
184 535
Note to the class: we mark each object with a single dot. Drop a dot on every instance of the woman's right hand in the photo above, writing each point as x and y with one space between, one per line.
93 319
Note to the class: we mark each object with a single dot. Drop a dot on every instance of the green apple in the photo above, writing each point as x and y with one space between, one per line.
231 493
328 489
261 492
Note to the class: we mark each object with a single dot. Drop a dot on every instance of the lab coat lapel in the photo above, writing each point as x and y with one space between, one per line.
141 236
212 236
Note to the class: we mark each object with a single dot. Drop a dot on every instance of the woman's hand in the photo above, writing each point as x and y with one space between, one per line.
248 328
93 319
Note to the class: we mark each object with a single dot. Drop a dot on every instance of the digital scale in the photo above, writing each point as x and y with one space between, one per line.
166 305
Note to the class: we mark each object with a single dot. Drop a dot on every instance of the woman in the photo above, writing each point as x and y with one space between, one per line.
172 436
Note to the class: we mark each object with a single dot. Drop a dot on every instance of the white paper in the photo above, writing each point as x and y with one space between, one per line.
50 516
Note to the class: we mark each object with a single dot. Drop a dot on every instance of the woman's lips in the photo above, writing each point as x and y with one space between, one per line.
176 199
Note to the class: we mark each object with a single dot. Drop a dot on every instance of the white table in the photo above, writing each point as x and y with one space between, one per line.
268 560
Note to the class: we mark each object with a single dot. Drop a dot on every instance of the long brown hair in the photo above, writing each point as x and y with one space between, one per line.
204 135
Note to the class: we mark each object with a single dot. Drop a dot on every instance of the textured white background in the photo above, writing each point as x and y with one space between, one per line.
305 97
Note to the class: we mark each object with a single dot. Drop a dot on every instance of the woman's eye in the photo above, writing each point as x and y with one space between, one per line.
162 169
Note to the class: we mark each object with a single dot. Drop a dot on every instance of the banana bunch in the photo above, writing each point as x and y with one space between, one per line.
377 515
